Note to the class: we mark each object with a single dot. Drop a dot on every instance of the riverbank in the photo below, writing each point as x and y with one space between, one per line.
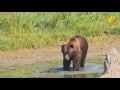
30 56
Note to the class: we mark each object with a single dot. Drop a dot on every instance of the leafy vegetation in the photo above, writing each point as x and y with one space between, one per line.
42 29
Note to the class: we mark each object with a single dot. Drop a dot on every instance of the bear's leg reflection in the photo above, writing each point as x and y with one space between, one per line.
75 76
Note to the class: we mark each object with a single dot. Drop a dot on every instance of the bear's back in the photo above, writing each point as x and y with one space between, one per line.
83 44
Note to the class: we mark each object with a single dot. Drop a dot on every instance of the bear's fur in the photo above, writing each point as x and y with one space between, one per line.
74 49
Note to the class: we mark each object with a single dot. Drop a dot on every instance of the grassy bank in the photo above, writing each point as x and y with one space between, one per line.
40 29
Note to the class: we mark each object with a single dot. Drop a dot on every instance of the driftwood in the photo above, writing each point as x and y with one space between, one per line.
112 64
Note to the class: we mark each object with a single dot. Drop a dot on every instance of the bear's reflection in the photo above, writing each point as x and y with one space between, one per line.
75 76
90 75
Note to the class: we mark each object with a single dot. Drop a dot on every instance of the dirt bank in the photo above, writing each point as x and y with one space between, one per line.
30 56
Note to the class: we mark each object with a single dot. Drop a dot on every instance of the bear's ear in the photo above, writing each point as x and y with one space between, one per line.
72 46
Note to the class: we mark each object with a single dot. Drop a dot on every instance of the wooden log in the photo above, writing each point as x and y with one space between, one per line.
112 64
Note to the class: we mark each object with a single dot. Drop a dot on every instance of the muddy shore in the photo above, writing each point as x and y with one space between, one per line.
30 56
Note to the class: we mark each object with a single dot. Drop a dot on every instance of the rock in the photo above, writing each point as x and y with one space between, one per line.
112 64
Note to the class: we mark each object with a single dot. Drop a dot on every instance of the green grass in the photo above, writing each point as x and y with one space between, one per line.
99 60
42 29
16 72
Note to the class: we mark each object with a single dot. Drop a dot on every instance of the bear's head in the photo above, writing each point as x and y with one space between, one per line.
68 50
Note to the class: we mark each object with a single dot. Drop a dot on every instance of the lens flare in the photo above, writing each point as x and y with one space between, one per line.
111 19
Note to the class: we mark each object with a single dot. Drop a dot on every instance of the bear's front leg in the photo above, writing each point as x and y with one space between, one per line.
82 62
66 64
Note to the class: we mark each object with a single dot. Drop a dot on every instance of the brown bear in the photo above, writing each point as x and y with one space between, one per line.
74 49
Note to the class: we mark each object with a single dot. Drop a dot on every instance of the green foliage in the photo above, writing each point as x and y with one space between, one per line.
40 29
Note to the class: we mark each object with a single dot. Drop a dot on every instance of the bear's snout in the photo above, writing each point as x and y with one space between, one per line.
67 57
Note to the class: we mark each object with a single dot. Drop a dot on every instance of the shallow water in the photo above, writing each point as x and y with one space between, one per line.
91 70
53 69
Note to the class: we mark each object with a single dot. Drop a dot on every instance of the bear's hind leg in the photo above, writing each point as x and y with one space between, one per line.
76 65
82 62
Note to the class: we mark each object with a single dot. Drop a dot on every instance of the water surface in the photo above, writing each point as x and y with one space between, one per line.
91 70
53 69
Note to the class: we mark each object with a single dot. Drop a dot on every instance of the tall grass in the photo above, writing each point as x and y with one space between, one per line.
40 29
